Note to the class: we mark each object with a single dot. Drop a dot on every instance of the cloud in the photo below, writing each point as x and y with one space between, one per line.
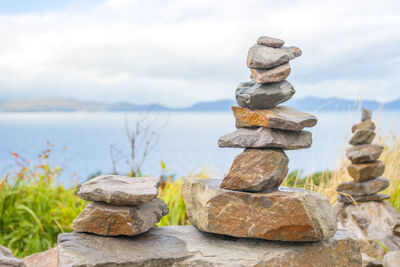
179 52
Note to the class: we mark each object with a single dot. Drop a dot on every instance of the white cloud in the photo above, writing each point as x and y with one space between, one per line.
179 52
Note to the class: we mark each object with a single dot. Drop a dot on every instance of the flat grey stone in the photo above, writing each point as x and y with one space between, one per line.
266 138
364 153
184 246
253 95
366 198
363 125
362 137
270 41
369 187
366 114
8 260
264 57
120 190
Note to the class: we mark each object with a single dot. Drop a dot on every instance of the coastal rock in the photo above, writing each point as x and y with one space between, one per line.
266 138
257 170
120 190
8 260
264 57
281 117
263 96
363 125
370 221
276 74
48 258
369 187
391 259
185 246
362 136
270 41
365 198
366 171
364 153
366 114
109 220
290 214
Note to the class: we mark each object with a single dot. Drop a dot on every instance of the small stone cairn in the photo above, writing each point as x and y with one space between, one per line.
365 168
249 201
121 205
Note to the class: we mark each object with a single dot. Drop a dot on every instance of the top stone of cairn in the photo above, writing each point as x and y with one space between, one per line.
120 190
270 41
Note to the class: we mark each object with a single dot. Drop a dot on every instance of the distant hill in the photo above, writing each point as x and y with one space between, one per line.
71 105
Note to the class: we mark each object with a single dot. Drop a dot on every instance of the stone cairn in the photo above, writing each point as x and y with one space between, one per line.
121 205
249 202
365 168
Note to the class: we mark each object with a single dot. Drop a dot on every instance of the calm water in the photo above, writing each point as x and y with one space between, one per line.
187 141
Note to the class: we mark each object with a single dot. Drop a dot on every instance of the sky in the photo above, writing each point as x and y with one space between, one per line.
178 52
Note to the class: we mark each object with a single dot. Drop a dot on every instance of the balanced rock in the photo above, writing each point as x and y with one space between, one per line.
263 96
266 138
366 114
362 136
364 153
363 125
369 187
185 246
281 117
365 198
365 171
120 190
264 57
257 170
270 41
290 214
109 220
275 74
8 260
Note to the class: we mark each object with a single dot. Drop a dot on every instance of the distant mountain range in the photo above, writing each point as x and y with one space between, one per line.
71 105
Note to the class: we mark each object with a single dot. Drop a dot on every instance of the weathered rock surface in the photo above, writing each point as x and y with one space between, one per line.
362 136
369 187
366 171
366 114
368 261
263 96
363 125
364 153
365 198
48 258
290 214
270 41
392 259
109 220
120 190
181 246
370 221
8 260
266 138
281 117
273 75
264 57
256 170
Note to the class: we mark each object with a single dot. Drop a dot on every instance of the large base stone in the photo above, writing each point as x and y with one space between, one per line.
180 246
48 258
290 214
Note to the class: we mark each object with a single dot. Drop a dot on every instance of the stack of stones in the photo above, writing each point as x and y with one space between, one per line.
365 168
249 201
121 205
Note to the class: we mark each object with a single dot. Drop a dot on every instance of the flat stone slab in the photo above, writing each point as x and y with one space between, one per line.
264 57
364 153
366 198
110 220
369 187
363 125
366 171
273 75
120 190
256 170
186 246
280 117
362 137
270 41
266 138
290 214
253 95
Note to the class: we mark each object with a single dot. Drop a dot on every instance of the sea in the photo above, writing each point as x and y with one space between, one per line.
182 143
